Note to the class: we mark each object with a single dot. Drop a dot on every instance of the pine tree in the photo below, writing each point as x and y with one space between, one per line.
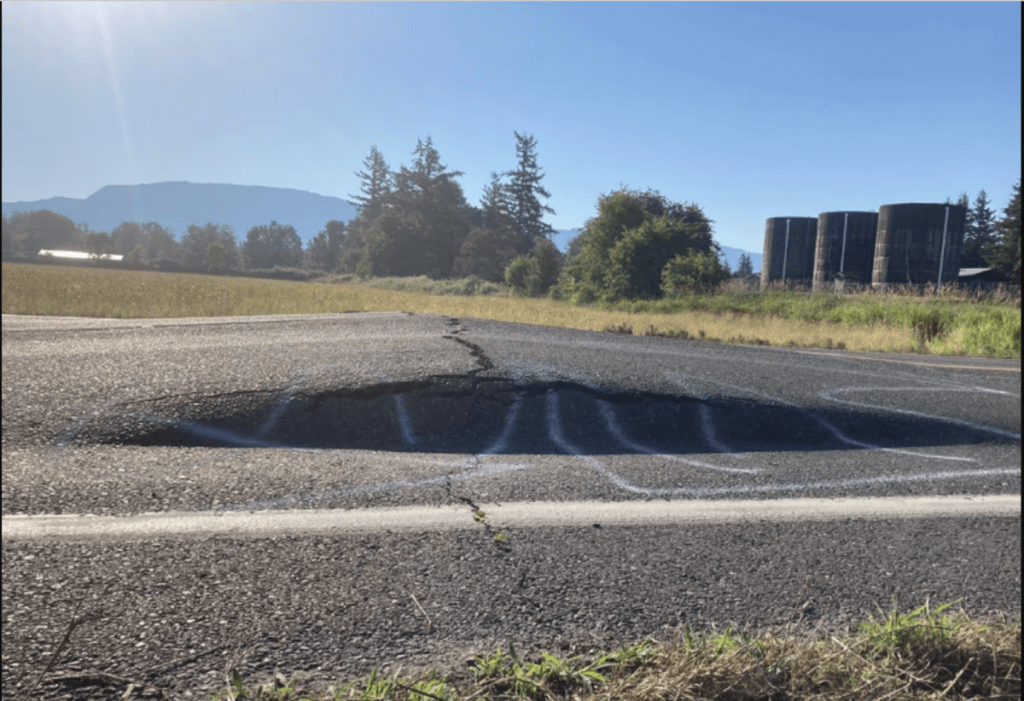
489 246
428 213
979 231
745 267
377 184
526 209
1004 253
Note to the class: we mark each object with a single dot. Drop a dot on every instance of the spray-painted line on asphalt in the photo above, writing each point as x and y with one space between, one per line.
830 395
579 514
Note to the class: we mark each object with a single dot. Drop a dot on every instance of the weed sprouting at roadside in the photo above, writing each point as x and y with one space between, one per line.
924 654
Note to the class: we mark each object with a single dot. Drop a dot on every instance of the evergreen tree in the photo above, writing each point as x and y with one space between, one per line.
491 245
428 192
979 232
745 267
1004 253
524 191
377 183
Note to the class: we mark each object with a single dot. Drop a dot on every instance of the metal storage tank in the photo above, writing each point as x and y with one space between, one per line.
918 244
845 248
788 249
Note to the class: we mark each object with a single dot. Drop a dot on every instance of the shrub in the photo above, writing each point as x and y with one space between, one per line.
523 275
995 333
693 272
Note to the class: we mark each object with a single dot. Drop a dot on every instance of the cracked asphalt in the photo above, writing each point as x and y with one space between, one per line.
353 411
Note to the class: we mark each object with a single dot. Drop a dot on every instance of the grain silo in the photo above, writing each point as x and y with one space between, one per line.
788 249
918 244
845 248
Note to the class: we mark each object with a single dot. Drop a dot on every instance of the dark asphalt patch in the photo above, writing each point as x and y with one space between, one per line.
492 416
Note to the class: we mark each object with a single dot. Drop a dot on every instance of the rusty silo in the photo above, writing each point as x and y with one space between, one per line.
788 249
845 249
918 244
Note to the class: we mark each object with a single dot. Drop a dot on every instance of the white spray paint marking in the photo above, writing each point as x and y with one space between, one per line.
831 428
501 443
829 394
278 411
709 433
557 436
404 422
613 427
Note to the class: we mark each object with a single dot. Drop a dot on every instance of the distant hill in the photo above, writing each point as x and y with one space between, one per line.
562 238
175 205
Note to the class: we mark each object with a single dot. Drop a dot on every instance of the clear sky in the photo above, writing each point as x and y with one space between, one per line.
750 110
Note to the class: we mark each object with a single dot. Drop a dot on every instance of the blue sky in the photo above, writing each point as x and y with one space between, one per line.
751 110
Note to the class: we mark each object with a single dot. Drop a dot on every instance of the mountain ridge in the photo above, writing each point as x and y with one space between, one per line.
177 204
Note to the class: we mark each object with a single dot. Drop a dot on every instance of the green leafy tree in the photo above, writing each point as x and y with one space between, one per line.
135 256
160 243
127 236
29 232
195 246
979 233
745 267
483 254
549 265
1003 254
625 248
98 244
393 246
697 271
525 191
325 247
216 258
270 246
523 275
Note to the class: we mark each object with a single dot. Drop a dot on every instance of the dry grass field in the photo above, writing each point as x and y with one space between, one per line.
895 324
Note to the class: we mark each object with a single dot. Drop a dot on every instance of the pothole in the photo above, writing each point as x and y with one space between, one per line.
493 416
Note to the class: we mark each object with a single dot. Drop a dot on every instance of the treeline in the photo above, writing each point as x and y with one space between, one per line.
413 221
992 242
416 221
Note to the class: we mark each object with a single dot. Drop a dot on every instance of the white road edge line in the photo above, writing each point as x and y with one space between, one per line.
265 524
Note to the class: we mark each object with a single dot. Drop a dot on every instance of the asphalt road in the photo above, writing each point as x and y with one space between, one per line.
376 411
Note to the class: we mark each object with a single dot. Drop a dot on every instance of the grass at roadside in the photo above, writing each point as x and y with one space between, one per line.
946 326
924 654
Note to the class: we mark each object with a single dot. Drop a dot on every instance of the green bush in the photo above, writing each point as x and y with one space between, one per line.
624 249
995 333
693 272
523 275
